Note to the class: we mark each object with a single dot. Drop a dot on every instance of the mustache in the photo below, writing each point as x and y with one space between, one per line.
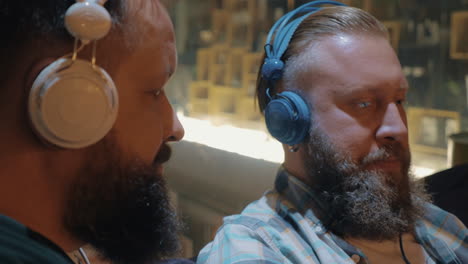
163 155
394 151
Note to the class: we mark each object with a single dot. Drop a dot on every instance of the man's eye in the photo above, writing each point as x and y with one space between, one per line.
364 104
401 102
155 92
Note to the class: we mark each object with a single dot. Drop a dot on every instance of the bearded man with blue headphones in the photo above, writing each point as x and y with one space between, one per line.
85 127
332 91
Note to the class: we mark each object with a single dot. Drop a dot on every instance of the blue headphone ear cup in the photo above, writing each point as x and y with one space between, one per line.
287 118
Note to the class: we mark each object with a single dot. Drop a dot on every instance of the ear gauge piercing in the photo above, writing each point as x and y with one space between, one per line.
293 148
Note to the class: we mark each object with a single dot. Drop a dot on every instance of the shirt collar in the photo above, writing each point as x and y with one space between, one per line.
15 226
47 243
303 197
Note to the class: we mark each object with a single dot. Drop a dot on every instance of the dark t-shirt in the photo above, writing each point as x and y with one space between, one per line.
450 190
21 245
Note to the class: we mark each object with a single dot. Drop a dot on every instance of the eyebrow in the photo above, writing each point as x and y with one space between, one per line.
163 77
358 91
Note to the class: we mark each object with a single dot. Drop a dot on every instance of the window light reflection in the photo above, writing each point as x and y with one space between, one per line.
246 142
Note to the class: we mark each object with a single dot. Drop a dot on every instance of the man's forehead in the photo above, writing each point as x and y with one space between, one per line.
169 3
356 55
146 12
353 47
322 69
144 8
151 38
149 24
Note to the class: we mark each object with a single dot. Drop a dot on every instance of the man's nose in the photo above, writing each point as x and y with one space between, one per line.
177 130
393 126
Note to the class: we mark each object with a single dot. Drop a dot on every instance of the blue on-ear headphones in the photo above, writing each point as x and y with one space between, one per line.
287 115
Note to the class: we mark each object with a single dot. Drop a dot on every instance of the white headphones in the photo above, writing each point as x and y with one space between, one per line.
73 103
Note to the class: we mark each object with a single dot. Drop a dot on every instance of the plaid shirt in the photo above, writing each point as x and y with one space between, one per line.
282 227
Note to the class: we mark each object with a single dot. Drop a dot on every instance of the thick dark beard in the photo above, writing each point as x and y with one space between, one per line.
122 208
363 203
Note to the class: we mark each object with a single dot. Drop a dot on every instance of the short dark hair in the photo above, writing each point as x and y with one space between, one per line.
23 22
22 18
329 21
37 27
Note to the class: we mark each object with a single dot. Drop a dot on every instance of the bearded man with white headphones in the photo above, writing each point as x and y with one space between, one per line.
85 127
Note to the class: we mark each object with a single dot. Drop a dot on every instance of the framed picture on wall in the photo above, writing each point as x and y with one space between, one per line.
429 129
220 22
203 64
466 87
459 35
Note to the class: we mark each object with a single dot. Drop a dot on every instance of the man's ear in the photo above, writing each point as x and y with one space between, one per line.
34 70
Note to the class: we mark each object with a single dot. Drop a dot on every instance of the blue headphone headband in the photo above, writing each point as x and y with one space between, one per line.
283 30
287 114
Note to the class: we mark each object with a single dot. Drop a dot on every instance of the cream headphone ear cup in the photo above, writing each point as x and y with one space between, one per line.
73 104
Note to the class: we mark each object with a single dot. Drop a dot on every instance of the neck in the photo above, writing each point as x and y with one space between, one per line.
294 164
34 195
